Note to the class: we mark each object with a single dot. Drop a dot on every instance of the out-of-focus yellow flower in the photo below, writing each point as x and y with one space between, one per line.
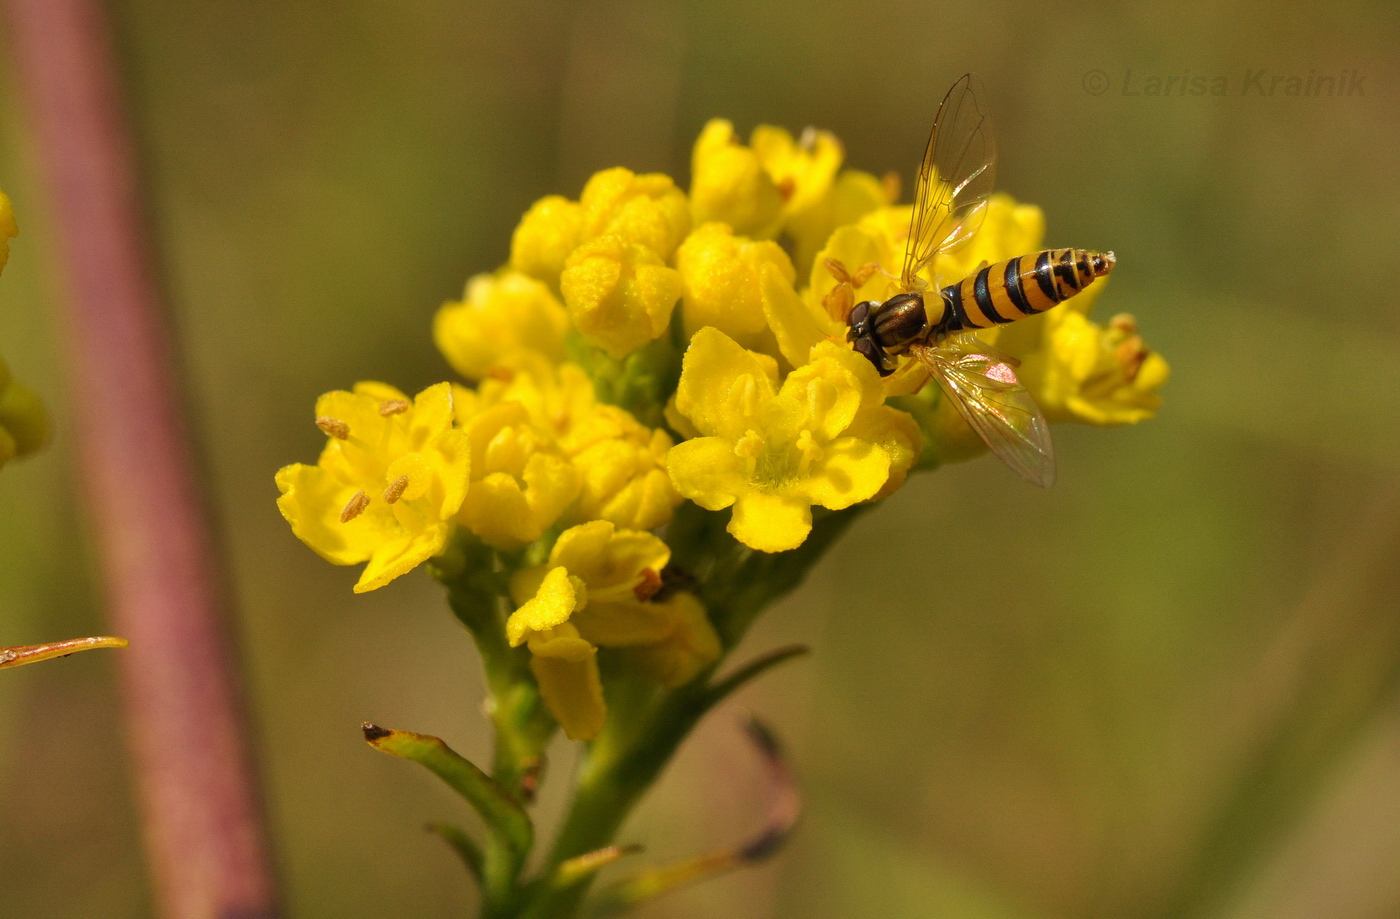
621 463
620 294
390 480
1094 374
851 196
803 168
729 184
565 665
549 231
644 210
689 646
621 569
496 317
722 284
24 424
596 590
520 482
774 453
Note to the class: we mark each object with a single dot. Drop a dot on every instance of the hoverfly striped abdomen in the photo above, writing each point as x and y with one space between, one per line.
1021 287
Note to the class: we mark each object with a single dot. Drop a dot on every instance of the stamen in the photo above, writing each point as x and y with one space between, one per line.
786 186
393 407
839 302
864 274
838 270
498 372
1125 323
354 507
1131 354
647 587
333 427
395 489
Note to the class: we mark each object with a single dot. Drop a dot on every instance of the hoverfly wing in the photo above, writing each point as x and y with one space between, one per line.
956 177
984 388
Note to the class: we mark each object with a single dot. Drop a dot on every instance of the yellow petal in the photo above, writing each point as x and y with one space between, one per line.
555 600
771 523
566 669
850 470
723 387
707 471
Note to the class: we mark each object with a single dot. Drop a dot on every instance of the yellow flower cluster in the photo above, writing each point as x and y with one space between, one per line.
24 424
718 310
600 589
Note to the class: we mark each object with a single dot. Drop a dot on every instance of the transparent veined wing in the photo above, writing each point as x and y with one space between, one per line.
956 177
983 385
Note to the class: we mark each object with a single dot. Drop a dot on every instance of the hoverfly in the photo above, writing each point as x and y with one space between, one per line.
955 180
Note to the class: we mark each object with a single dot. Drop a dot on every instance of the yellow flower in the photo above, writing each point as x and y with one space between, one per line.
803 168
722 284
1095 375
853 195
595 591
24 424
549 231
774 453
520 482
621 463
498 316
565 665
391 478
643 210
620 294
729 184
690 644
618 568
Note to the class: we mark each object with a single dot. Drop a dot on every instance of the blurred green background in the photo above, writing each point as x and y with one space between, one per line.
1166 688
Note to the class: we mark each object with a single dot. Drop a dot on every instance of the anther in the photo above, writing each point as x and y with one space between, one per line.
838 270
354 507
498 372
395 489
786 186
1131 354
1124 323
864 274
647 587
333 427
838 302
393 407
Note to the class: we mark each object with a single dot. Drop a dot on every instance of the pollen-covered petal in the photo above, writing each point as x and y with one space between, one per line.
566 668
550 230
729 184
771 522
619 294
708 471
722 277
848 471
557 597
643 210
496 317
401 554
723 387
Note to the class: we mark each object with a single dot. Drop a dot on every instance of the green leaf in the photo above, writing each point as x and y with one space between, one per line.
509 831
462 844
